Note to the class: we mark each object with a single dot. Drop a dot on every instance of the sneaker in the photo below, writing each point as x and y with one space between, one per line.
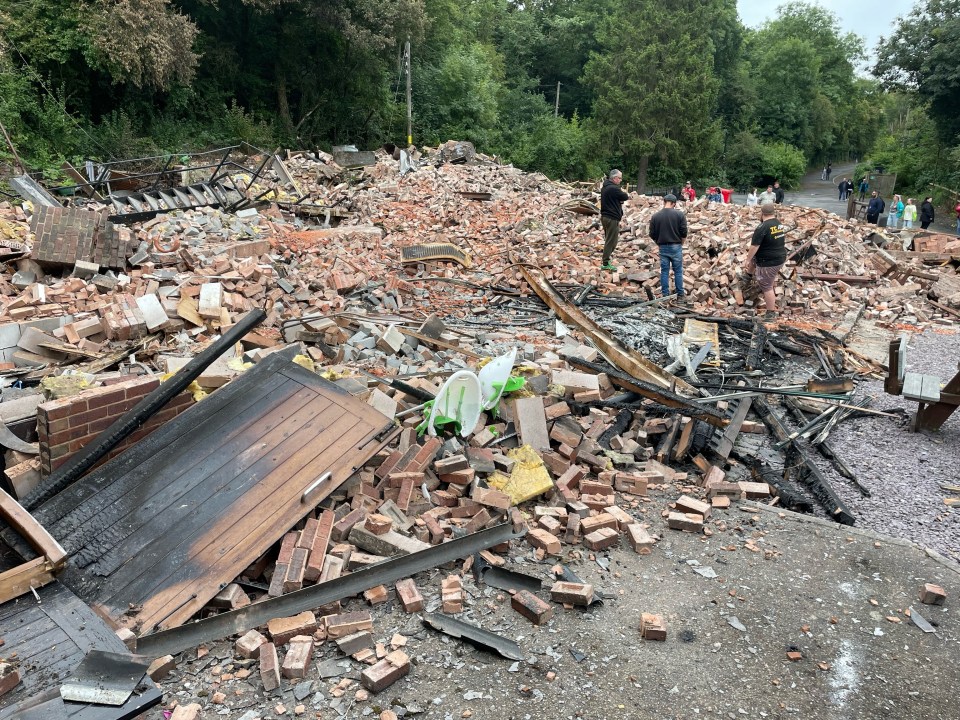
608 266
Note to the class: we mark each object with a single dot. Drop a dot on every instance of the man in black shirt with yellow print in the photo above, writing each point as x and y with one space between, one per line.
767 255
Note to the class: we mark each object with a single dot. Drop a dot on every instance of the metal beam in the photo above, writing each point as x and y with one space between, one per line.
628 360
178 639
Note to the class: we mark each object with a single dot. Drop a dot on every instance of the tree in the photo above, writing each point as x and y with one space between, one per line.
654 84
922 55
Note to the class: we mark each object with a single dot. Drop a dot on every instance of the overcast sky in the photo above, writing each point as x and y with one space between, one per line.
866 18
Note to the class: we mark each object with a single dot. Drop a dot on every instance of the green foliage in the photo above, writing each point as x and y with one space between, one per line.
785 163
655 90
752 162
922 55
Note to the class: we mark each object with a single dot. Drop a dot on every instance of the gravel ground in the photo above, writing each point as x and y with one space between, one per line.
903 470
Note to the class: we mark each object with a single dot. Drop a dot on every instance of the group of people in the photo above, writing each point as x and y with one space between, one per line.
668 229
773 194
898 212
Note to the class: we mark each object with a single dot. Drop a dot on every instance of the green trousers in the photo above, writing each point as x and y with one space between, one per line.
611 233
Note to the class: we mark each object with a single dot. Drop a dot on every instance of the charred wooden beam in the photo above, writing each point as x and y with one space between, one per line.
757 342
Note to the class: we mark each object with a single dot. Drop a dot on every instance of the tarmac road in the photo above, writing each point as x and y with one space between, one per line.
811 585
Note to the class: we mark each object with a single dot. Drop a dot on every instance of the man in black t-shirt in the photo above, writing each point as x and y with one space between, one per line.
767 255
611 212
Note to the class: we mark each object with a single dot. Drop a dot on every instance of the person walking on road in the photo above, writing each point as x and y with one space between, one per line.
894 213
777 193
927 213
766 256
909 214
874 208
611 212
668 228
829 170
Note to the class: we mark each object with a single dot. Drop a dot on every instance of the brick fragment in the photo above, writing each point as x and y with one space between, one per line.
161 667
376 595
378 524
720 502
348 623
282 629
595 522
9 678
531 607
754 490
386 672
269 667
931 594
652 627
186 712
491 498
572 593
544 540
601 539
682 521
451 594
409 595
249 644
639 539
298 657
689 505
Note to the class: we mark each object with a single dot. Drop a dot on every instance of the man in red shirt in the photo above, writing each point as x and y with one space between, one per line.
688 193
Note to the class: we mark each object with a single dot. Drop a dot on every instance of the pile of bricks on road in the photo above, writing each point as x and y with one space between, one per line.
609 481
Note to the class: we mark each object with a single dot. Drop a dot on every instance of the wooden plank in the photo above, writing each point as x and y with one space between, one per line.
32 531
103 492
627 360
136 554
168 492
255 540
17 581
912 386
260 381
930 389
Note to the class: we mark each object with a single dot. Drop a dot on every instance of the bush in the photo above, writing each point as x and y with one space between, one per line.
785 163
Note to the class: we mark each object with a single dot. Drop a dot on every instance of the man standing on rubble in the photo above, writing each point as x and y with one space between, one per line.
611 212
767 255
668 228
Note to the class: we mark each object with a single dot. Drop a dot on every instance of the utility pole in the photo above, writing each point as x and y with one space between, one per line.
556 107
406 62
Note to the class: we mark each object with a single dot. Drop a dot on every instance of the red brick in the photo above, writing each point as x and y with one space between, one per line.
269 666
531 607
287 546
298 657
282 629
318 549
931 594
348 623
639 539
409 596
601 539
595 522
386 672
570 593
249 644
652 627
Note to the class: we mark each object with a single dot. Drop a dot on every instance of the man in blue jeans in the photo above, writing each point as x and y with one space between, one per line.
668 228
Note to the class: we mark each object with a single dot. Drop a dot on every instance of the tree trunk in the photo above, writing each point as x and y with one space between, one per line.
283 105
642 174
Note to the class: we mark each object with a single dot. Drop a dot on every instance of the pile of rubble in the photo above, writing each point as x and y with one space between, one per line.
427 276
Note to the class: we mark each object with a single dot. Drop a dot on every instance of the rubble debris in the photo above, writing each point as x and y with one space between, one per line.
478 637
931 594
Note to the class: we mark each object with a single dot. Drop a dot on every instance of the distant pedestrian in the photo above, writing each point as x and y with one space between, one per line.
611 212
927 213
777 193
768 196
829 170
766 256
752 198
864 188
874 208
668 228
688 193
842 187
894 213
909 214
823 173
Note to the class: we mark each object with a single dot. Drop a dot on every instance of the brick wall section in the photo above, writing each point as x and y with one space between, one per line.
65 426
65 235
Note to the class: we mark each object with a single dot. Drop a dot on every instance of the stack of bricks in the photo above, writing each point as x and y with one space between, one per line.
123 320
65 426
66 235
